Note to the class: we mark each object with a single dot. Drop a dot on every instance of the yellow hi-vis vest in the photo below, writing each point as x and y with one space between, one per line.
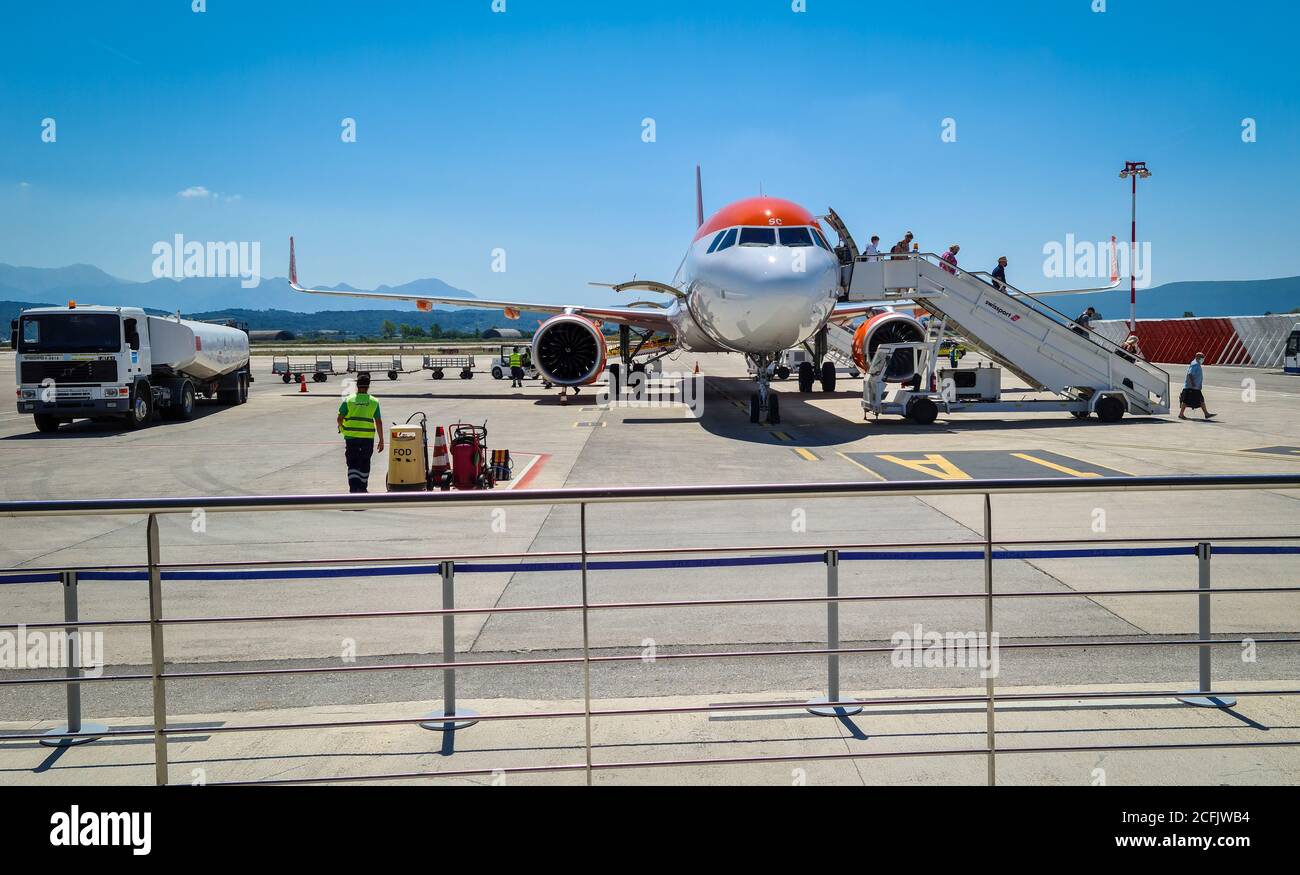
359 419
516 360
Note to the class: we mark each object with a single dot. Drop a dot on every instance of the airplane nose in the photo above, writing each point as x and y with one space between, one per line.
764 298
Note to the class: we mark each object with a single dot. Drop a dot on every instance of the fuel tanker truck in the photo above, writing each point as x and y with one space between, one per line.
120 364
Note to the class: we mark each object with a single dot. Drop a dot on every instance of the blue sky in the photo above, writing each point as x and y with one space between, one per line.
478 130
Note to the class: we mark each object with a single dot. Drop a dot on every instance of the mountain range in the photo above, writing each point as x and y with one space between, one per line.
272 304
88 284
1201 298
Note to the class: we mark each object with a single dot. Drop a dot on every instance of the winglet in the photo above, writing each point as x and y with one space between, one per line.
293 265
699 198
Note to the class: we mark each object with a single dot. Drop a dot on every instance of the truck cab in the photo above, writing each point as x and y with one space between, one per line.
1291 356
105 363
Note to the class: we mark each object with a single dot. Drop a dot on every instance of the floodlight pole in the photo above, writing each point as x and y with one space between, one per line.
1132 170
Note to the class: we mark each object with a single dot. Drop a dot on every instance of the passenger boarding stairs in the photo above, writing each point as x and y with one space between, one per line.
1042 346
839 345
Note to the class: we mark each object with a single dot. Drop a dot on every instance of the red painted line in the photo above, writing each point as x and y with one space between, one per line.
532 471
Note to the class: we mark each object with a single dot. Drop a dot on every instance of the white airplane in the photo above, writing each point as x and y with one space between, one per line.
759 278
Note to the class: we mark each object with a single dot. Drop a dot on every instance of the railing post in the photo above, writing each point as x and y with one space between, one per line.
450 718
586 635
73 670
156 653
1201 696
990 732
821 707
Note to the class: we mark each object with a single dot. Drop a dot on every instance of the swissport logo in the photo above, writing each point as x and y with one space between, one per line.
1005 314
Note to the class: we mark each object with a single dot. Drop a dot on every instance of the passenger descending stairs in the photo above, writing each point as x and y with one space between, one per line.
1036 343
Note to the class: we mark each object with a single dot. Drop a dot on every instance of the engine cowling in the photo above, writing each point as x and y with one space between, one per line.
569 350
886 327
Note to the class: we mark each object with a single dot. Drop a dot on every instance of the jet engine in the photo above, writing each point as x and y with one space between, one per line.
887 327
569 350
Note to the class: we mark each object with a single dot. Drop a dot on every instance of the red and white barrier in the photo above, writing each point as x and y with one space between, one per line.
1245 341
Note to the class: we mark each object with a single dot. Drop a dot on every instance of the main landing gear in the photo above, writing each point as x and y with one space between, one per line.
808 375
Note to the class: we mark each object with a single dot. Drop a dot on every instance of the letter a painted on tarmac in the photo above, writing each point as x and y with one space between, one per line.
933 464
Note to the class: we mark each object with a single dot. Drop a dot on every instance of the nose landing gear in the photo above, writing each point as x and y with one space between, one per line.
764 403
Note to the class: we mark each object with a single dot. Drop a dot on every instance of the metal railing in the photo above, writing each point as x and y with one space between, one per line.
452 717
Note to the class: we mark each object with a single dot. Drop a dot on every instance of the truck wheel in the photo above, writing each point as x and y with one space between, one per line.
141 407
284 377
243 388
924 411
46 424
229 397
497 373
437 375
392 375
467 374
783 373
1110 409
184 406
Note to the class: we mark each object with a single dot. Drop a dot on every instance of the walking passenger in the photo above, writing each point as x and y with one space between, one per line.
949 258
1192 395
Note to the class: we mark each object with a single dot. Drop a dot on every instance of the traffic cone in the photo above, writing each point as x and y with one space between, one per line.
302 386
441 461
697 367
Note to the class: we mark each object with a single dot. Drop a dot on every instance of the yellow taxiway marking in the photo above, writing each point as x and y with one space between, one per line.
933 464
1055 467
852 461
810 456
781 436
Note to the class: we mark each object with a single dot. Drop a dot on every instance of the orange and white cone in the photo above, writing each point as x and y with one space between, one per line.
697 367
302 386
441 460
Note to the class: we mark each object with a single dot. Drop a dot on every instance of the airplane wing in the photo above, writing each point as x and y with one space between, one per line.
642 316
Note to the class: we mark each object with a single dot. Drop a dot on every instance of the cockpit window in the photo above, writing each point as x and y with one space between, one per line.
796 237
821 241
728 239
716 240
757 236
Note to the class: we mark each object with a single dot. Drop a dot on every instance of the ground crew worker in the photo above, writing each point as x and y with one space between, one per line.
363 433
516 369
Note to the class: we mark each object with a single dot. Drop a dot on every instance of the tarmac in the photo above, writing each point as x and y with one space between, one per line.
284 442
